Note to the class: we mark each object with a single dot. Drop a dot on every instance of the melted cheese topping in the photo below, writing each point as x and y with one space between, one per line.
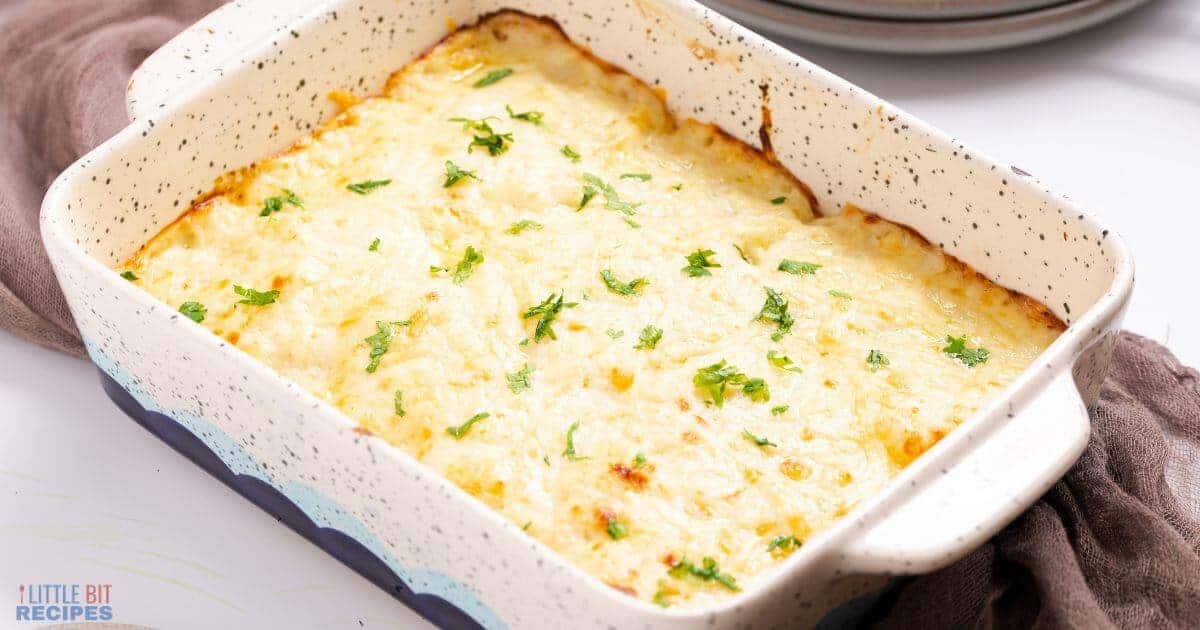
660 474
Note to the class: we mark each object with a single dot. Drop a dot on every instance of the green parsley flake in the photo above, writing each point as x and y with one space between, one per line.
775 310
616 529
642 177
631 223
614 334
757 441
569 452
380 342
957 348
253 297
660 596
741 252
454 174
875 359
622 288
589 192
374 246
798 268
780 410
367 186
714 379
784 543
570 153
493 77
194 311
519 381
495 143
525 527
466 266
398 403
612 200
459 431
534 117
778 200
782 361
708 573
698 263
677 187
757 390
840 295
547 312
129 275
275 204
522 225
639 461
649 338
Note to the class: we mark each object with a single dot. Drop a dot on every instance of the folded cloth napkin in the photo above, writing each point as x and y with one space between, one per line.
64 65
1114 543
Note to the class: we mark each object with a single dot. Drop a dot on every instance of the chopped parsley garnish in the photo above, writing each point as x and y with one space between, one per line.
784 543
194 311
525 527
741 252
775 310
466 266
957 348
631 223
253 297
612 200
709 572
374 246
780 410
757 441
639 461
547 312
782 361
380 342
677 187
454 174
614 334
715 378
129 275
622 288
778 200
398 403
534 117
616 529
875 359
275 204
570 153
841 295
660 596
522 225
757 390
519 381
798 268
699 264
495 143
459 431
642 177
367 186
649 338
569 452
493 76
589 192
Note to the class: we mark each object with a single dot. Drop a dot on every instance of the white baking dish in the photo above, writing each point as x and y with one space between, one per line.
250 79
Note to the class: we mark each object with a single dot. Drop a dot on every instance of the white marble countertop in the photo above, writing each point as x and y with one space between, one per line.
1110 117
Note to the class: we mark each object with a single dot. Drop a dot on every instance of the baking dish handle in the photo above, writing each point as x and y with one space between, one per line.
1001 474
204 49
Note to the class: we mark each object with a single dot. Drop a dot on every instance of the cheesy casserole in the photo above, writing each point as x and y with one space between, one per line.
629 335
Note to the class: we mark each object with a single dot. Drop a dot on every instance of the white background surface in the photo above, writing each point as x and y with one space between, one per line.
1110 117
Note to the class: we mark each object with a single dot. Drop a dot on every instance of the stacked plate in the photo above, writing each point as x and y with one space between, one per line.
922 26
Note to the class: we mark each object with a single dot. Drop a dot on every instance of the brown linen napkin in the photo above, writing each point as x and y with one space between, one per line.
64 65
1115 542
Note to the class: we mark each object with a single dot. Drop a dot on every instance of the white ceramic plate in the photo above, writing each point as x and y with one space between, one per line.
919 36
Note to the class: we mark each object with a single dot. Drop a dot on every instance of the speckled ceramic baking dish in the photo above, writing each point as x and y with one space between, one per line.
252 78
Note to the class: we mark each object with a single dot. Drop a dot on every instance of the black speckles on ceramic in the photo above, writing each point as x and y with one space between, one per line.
252 78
